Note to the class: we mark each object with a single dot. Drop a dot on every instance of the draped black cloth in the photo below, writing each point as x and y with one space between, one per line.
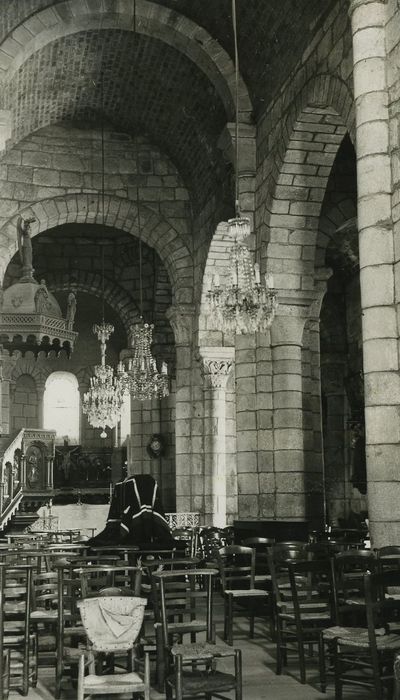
136 516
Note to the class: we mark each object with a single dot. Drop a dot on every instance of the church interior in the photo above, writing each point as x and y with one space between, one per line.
199 233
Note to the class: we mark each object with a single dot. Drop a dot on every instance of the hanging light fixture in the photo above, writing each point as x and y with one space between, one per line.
145 381
102 403
242 304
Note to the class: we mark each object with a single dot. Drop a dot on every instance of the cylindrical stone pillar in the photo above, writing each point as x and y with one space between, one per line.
377 278
187 431
286 343
216 366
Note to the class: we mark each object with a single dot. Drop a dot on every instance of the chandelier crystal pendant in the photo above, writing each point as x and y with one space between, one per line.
102 403
146 382
241 304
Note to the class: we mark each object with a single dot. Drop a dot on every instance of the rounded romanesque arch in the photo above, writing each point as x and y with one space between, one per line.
167 25
309 139
120 213
117 297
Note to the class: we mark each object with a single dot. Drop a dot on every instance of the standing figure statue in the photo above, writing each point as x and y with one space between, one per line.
71 310
41 298
25 246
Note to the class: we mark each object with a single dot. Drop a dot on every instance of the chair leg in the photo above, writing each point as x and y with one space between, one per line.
338 679
252 616
178 677
238 674
322 668
146 676
81 678
302 659
279 659
230 620
160 659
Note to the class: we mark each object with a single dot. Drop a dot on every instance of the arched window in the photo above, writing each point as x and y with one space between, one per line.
61 406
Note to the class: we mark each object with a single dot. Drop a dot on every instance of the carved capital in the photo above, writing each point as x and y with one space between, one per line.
181 318
216 364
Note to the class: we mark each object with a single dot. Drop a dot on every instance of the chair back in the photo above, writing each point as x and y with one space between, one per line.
184 595
236 565
382 610
349 570
188 536
211 539
97 580
312 588
112 623
260 545
289 551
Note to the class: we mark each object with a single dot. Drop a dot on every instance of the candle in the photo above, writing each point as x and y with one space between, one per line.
216 280
269 280
164 368
257 272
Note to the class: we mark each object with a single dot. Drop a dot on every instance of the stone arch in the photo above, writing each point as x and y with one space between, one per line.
167 25
29 365
157 232
117 297
310 137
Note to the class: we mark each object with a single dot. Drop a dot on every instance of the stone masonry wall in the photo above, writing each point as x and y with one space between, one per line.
310 114
24 404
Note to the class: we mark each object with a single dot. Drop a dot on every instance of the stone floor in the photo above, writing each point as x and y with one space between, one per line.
259 679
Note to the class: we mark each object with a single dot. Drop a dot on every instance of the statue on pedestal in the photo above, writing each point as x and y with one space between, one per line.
71 310
25 246
41 298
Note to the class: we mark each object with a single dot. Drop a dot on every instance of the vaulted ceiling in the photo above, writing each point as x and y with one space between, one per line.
151 87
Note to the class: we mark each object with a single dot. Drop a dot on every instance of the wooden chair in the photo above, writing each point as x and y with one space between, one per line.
366 658
192 666
211 539
303 613
388 558
348 568
241 597
71 636
174 604
112 625
187 536
17 635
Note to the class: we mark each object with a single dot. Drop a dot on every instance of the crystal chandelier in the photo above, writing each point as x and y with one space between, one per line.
241 304
102 403
146 382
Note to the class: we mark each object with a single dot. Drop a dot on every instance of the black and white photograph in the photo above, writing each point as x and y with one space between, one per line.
200 349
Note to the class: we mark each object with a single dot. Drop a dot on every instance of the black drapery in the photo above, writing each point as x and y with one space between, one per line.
136 515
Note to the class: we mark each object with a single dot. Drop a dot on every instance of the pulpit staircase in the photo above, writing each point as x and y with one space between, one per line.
26 464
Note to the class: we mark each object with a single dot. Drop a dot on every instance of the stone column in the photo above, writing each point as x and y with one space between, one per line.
40 387
378 277
217 363
188 412
293 487
7 364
